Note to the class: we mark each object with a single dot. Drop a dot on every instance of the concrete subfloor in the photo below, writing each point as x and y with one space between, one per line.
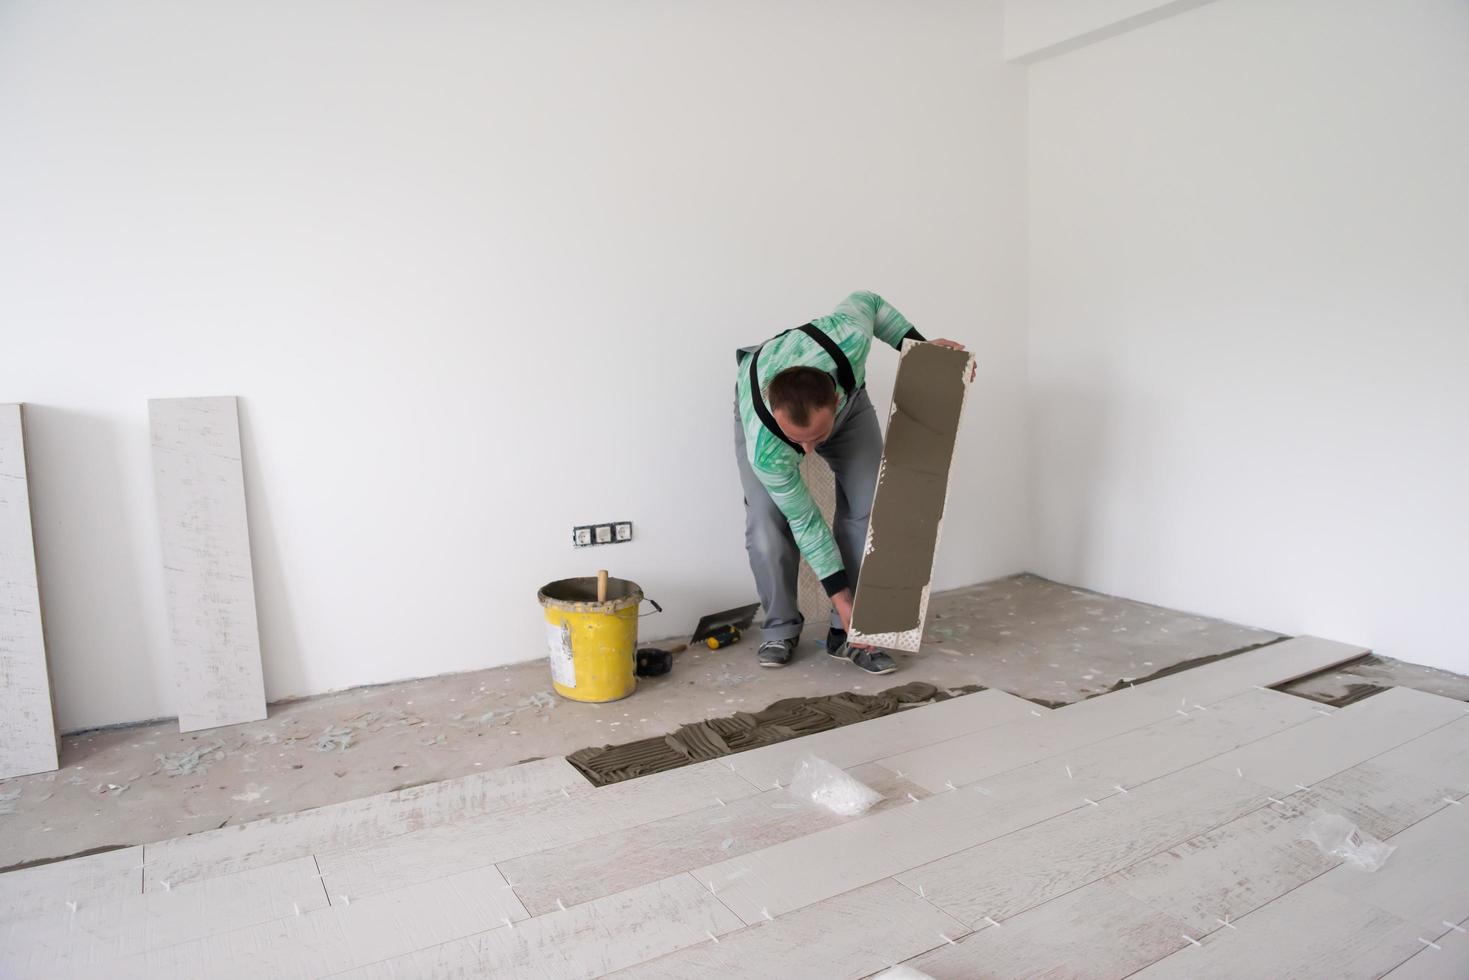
1022 634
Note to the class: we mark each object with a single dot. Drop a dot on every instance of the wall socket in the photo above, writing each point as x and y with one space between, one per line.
615 532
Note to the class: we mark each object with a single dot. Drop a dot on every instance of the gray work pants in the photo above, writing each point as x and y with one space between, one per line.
854 453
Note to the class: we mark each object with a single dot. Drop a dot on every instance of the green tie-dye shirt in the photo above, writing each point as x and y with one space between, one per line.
853 324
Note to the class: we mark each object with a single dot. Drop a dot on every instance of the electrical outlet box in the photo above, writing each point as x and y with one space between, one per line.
587 535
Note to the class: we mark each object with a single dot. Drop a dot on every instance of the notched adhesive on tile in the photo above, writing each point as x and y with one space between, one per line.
919 447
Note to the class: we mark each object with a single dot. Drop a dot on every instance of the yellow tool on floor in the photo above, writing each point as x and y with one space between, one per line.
724 637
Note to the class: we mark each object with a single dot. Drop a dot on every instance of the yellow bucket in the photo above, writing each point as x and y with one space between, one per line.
593 644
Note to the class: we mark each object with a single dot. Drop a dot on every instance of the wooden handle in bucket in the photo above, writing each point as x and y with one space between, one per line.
602 585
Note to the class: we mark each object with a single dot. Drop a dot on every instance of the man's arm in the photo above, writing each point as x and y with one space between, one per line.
879 318
813 537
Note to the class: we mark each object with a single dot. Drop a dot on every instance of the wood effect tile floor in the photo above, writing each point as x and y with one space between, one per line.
1154 831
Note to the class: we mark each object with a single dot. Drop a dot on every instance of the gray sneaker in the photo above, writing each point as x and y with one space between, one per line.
872 660
776 653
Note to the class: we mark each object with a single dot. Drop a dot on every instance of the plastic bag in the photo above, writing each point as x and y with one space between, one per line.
827 785
1339 837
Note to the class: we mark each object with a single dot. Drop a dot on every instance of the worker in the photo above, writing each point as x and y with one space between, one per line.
799 392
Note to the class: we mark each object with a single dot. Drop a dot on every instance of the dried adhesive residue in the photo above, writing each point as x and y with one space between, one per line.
188 763
333 738
715 737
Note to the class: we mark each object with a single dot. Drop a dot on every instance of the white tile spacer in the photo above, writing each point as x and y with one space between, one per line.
766 912
1190 939
776 785
720 802
1068 773
1260 687
947 940
1274 800
1201 707
566 792
296 907
1456 928
560 905
345 899
711 935
1035 712
949 784
1323 711
1225 922
508 923
1091 801
72 906
1453 802
1429 943
900 773
1119 788
992 922
921 893
912 797
166 886
1239 772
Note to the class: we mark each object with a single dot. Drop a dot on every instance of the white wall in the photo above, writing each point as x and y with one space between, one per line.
1041 28
1249 293
477 272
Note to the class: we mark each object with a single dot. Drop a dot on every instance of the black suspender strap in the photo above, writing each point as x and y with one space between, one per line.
757 400
845 377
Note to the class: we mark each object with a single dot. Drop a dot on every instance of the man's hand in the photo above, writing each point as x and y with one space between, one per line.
955 345
842 602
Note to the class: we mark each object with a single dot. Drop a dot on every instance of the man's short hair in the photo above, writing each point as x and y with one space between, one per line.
799 391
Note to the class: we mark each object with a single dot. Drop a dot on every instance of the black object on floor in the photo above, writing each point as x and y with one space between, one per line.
653 662
740 618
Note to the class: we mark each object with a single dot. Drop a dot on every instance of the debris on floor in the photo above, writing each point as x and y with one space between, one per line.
830 786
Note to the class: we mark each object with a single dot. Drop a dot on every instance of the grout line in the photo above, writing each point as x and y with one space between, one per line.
1448 930
321 880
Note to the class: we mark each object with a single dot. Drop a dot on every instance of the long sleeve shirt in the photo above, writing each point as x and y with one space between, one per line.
852 326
